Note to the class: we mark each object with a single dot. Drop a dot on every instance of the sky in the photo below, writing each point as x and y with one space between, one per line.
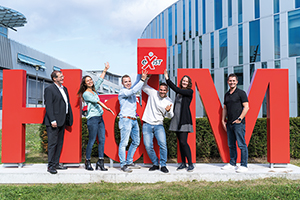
87 33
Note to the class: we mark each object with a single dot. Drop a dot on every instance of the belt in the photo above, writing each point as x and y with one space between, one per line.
132 118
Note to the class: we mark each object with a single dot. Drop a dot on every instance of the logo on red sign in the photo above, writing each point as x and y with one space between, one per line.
151 61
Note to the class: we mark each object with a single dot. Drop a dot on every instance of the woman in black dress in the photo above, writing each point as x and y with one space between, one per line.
181 123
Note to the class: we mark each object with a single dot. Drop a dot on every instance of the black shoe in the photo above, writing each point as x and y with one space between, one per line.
52 170
100 164
60 167
133 166
88 165
181 166
126 169
190 168
153 168
164 169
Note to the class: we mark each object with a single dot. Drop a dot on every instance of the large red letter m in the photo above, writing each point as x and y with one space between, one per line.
272 81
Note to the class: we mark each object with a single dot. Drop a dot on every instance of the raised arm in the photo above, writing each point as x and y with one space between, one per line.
105 70
184 92
136 88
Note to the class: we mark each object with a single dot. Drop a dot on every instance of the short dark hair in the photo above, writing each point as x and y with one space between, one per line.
125 76
54 74
233 75
163 84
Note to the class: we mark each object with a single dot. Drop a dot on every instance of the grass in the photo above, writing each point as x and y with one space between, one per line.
271 188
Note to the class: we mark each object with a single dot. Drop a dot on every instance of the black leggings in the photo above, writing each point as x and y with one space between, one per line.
185 150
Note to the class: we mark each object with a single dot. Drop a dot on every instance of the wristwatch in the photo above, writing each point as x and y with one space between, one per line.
240 119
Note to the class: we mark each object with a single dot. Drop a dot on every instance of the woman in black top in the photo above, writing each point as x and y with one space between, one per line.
181 123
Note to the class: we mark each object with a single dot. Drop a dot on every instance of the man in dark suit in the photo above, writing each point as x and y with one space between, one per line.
58 115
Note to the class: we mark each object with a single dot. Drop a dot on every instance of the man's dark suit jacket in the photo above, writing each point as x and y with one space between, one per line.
56 107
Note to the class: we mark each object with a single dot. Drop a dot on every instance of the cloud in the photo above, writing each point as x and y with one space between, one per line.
86 33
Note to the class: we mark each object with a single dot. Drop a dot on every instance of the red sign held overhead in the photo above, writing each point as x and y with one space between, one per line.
152 55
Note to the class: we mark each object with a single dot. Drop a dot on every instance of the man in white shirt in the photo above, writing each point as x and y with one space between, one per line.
159 106
58 115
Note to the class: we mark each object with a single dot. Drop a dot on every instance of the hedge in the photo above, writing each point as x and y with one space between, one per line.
206 146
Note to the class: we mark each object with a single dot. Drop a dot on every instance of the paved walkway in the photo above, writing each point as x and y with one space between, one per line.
36 173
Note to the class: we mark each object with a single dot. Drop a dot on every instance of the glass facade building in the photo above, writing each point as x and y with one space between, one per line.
233 36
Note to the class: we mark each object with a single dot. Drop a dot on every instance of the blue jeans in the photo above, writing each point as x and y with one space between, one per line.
96 128
128 127
236 132
149 131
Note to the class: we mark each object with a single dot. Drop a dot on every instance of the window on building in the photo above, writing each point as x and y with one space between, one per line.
277 64
298 84
169 61
3 31
159 31
238 70
257 9
204 16
229 12
193 53
212 50
297 3
225 80
179 50
294 32
162 25
105 89
240 11
252 69
212 73
254 33
187 54
223 48
175 23
218 14
276 37
276 6
56 68
183 20
200 52
173 49
39 65
190 19
264 65
196 18
35 92
170 26
241 44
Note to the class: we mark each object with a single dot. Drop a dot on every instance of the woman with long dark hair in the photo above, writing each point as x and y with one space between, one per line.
181 123
95 123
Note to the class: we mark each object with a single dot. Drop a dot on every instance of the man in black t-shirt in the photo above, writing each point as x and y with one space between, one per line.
235 109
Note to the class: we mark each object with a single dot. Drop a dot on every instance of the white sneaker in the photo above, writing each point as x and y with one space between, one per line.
241 169
228 167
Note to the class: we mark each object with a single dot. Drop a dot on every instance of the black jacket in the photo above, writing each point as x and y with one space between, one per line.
56 107
187 96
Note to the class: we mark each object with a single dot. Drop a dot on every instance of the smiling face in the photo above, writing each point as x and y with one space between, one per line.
89 82
126 82
232 82
185 82
163 90
59 79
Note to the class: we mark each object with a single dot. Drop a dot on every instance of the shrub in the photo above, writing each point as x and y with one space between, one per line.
206 146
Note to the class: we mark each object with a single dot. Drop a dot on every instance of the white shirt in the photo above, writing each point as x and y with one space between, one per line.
61 89
155 110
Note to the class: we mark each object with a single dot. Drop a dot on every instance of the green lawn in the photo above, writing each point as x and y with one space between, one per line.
272 188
